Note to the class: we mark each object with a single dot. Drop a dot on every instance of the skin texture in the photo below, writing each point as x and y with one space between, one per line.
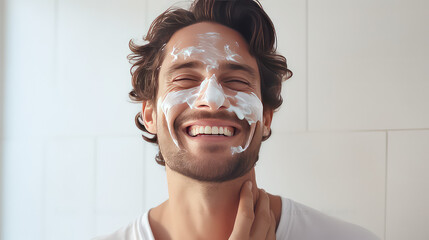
209 195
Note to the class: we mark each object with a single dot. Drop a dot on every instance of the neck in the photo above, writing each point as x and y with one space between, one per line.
201 210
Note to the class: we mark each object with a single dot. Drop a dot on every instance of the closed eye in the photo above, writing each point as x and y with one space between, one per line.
237 81
237 84
186 82
184 79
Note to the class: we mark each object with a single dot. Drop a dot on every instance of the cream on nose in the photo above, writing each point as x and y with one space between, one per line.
211 94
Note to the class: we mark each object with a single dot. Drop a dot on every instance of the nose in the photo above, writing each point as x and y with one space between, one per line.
211 95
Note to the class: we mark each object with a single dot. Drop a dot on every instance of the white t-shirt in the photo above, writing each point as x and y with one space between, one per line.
297 222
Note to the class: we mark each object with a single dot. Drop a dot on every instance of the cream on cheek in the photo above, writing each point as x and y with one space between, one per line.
245 105
249 107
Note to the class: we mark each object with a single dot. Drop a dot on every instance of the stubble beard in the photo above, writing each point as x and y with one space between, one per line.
212 169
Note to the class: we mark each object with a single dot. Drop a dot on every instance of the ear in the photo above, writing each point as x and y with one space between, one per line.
268 117
149 116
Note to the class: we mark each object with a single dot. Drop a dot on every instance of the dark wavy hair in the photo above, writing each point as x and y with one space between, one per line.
244 16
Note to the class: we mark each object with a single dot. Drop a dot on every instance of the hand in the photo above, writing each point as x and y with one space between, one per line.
253 223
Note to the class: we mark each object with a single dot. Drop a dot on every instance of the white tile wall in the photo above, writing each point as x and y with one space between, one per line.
156 7
69 189
119 182
289 18
29 40
23 181
407 186
155 179
367 64
70 143
28 37
341 174
93 71
2 58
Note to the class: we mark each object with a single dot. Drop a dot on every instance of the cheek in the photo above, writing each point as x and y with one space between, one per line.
170 116
165 123
247 106
173 104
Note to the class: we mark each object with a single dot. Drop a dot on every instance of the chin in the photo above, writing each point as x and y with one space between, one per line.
213 167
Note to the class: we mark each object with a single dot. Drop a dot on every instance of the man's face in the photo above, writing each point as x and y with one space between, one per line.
209 117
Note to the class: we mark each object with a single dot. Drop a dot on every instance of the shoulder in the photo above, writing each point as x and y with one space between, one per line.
302 222
136 230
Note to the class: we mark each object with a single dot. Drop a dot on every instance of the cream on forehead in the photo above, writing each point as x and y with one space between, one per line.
206 51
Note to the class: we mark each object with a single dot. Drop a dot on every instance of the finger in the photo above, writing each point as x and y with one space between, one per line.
272 230
262 221
245 215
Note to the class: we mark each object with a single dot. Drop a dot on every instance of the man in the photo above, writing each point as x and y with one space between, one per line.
209 80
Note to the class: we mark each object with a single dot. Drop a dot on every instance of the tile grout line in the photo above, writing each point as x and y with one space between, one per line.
144 207
44 192
385 183
95 141
144 148
146 17
306 67
352 131
46 140
55 52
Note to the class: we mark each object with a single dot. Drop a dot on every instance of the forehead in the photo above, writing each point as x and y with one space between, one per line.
212 38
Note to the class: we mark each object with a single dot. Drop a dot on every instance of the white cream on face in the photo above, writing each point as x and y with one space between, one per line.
206 51
245 105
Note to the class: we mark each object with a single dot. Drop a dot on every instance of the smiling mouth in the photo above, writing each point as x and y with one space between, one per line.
197 130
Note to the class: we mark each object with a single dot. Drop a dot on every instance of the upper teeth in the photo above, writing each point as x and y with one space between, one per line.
213 130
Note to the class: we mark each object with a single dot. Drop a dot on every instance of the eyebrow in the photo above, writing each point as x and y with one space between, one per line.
238 66
178 66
